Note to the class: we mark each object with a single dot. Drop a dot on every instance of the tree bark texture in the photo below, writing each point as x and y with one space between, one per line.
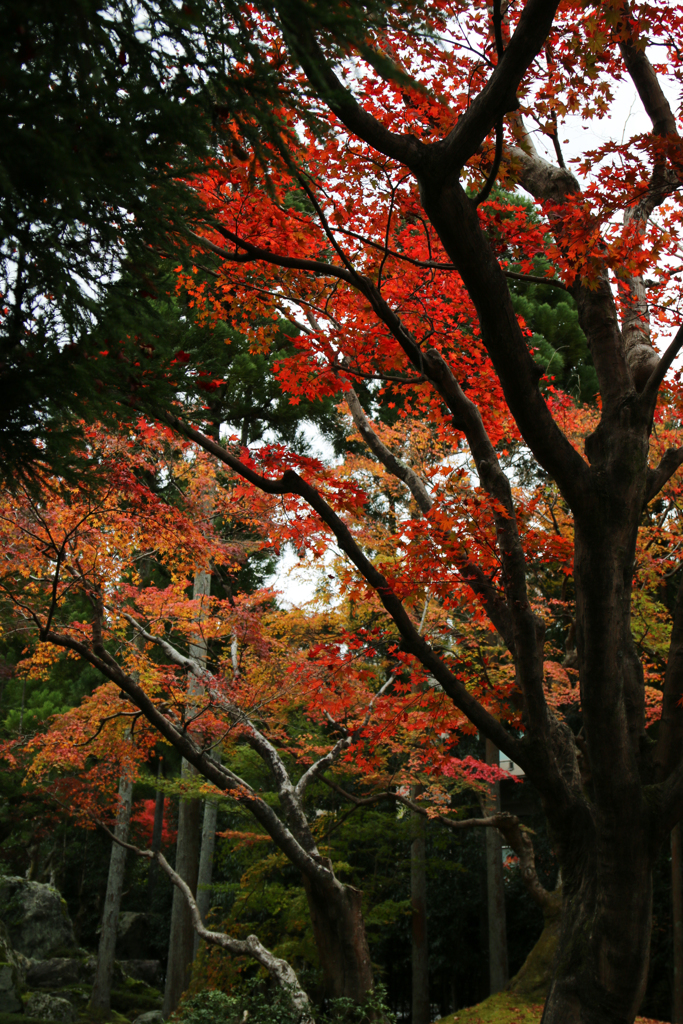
181 942
418 902
677 914
341 943
157 831
100 999
495 887
205 872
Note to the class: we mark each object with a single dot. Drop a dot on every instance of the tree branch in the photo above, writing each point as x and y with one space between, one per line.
207 766
515 834
292 483
281 971
657 478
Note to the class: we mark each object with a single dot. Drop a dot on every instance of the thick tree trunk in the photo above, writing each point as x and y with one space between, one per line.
603 952
341 943
677 914
418 901
100 1000
606 847
498 947
181 943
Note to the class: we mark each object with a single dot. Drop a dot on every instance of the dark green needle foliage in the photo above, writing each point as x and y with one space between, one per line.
560 345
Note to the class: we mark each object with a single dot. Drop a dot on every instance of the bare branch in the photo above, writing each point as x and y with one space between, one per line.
517 836
281 971
397 468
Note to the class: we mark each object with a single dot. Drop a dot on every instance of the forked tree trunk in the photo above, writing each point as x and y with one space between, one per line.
341 943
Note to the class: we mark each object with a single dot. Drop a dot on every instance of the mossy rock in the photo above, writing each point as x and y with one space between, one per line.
19 1018
502 1008
124 1000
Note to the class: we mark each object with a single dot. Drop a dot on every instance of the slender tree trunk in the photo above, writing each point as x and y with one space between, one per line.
677 913
339 929
498 949
100 999
181 948
206 863
157 832
418 901
181 942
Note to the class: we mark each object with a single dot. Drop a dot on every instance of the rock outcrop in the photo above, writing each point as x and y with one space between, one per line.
11 976
43 974
36 918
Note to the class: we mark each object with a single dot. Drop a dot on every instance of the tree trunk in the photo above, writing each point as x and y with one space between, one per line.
157 832
677 914
100 999
418 900
603 953
206 863
181 942
341 943
498 949
605 844
532 981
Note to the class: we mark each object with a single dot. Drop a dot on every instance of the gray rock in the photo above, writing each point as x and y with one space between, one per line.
11 976
148 971
57 972
151 1017
36 918
41 1004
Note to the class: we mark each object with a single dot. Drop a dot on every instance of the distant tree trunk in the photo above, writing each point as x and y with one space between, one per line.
418 900
100 1000
498 950
206 862
677 913
181 942
181 948
157 831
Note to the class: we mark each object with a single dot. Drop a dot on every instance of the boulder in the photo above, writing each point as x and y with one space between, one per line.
48 1007
36 918
58 972
133 935
151 1017
11 976
148 971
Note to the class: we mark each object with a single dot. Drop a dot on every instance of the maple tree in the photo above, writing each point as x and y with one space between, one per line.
408 285
371 223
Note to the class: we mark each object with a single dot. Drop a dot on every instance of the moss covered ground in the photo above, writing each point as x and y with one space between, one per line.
505 1008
